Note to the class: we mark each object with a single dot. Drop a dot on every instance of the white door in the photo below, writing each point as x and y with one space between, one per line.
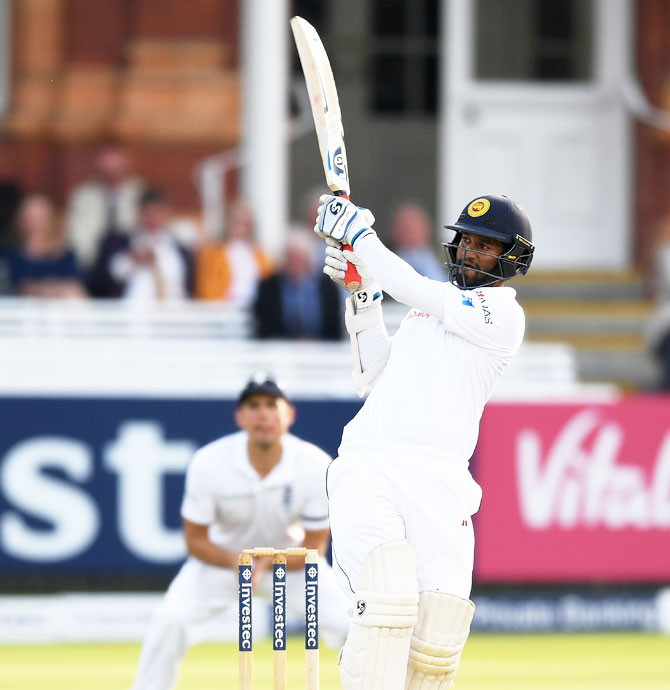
532 110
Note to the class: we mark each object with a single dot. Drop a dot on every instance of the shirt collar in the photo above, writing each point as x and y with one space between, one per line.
281 473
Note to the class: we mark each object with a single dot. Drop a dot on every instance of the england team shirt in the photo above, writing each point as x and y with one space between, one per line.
440 373
245 510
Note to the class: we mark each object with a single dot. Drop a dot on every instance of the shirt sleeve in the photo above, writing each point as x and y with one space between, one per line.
398 279
198 504
314 513
484 316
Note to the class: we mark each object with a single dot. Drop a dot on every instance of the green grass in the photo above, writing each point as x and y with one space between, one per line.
490 662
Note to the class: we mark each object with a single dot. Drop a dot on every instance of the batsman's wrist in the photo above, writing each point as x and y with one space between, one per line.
367 297
360 234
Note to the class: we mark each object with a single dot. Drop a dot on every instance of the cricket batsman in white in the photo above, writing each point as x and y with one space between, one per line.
400 492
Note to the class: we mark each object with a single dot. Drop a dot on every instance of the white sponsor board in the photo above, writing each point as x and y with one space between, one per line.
109 617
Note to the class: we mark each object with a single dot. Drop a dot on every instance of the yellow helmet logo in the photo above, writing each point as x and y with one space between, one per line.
478 207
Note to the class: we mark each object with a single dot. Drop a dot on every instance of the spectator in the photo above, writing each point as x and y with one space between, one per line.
659 327
107 203
311 201
147 265
10 198
299 301
41 265
232 269
411 236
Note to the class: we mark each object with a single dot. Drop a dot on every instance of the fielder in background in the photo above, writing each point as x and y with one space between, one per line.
400 493
250 488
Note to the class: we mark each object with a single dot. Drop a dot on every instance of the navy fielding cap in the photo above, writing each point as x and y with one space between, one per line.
261 383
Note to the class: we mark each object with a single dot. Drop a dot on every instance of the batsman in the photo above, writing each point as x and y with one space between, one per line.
401 496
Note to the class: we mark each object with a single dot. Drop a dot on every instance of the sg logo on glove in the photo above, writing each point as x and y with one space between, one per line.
338 218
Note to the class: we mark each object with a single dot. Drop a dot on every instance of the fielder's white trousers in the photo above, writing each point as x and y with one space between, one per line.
375 498
199 591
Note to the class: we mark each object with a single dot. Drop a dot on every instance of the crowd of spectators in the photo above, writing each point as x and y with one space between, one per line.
117 237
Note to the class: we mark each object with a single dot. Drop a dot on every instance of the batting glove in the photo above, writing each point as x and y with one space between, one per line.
369 294
335 264
342 220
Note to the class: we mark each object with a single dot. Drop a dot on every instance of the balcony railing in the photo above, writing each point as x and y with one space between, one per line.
197 349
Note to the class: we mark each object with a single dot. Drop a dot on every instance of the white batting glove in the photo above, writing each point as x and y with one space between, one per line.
342 220
369 294
335 264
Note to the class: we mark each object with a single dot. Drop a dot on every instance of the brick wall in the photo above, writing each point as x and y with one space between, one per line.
652 147
160 75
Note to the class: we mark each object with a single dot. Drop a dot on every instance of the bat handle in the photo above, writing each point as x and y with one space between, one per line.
352 278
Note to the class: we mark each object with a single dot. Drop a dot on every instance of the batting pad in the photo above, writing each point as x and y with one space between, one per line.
375 654
370 343
438 640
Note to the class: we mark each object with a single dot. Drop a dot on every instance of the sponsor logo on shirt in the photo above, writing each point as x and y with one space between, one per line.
417 313
485 308
466 300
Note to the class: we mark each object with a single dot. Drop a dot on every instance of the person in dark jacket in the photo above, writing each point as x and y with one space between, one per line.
296 302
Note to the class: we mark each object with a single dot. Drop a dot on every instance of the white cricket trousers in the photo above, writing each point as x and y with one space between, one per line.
375 498
199 591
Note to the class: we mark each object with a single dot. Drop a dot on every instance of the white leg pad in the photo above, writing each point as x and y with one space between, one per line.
438 640
375 654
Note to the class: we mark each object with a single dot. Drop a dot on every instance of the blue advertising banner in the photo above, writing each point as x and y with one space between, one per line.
93 485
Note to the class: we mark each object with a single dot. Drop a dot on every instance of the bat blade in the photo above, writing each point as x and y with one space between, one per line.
325 105
327 117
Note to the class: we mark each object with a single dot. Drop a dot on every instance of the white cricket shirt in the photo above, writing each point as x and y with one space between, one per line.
245 510
444 362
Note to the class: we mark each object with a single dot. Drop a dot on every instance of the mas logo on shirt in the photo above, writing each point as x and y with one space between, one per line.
466 300
485 307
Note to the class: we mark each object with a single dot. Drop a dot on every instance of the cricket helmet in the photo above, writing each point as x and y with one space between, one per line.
499 217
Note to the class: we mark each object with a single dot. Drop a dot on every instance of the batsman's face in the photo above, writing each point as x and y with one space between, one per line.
477 254
265 418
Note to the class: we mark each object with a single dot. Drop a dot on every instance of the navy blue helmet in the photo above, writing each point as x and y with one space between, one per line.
499 217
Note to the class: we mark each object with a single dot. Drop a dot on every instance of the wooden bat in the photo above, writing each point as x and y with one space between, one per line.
327 117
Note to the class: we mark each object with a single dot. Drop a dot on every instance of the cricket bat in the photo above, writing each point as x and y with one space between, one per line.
327 117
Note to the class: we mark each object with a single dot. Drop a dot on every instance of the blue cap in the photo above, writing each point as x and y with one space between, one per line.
261 383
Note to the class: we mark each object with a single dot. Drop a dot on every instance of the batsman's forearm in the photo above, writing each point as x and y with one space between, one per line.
397 278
